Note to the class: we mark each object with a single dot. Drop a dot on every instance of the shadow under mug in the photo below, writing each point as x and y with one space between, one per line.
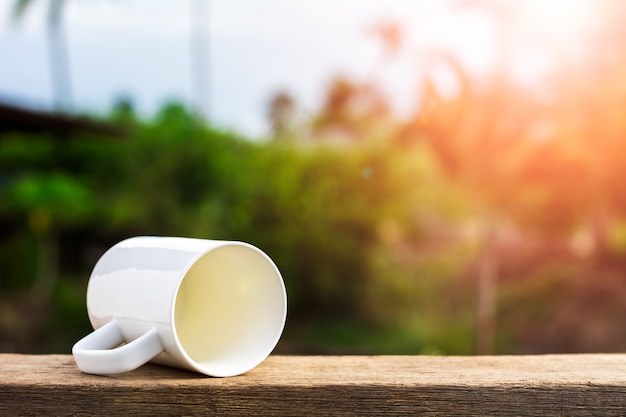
214 307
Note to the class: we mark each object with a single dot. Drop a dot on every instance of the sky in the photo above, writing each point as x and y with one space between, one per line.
254 48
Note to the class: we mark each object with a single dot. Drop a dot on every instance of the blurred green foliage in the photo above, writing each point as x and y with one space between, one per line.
328 216
383 247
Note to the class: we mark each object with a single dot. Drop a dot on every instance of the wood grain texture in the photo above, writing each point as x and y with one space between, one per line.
544 385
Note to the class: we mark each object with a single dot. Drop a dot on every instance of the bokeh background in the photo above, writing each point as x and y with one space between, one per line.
431 177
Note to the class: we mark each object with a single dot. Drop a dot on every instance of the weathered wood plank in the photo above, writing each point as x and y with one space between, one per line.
556 385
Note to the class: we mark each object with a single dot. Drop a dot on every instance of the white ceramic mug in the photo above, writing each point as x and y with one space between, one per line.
215 307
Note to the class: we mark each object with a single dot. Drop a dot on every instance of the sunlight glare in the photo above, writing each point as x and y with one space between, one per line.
563 18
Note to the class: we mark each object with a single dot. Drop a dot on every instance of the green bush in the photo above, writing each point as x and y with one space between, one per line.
323 213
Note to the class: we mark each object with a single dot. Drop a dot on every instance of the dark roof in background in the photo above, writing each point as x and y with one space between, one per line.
15 118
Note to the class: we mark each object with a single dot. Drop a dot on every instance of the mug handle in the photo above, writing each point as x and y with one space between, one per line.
96 353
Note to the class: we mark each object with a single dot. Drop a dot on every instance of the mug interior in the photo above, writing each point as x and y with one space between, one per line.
230 310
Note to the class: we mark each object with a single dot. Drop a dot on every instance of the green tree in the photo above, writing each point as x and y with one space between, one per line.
281 115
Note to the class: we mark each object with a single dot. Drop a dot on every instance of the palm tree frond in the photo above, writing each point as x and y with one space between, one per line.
19 9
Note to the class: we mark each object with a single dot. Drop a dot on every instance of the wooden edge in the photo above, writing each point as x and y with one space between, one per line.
560 385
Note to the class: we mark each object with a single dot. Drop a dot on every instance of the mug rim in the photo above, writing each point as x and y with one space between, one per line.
199 367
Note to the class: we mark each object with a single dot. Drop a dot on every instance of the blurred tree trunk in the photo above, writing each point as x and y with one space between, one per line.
200 85
57 50
59 58
486 293
47 265
46 255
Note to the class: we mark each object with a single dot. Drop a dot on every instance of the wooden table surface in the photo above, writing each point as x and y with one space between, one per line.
554 385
